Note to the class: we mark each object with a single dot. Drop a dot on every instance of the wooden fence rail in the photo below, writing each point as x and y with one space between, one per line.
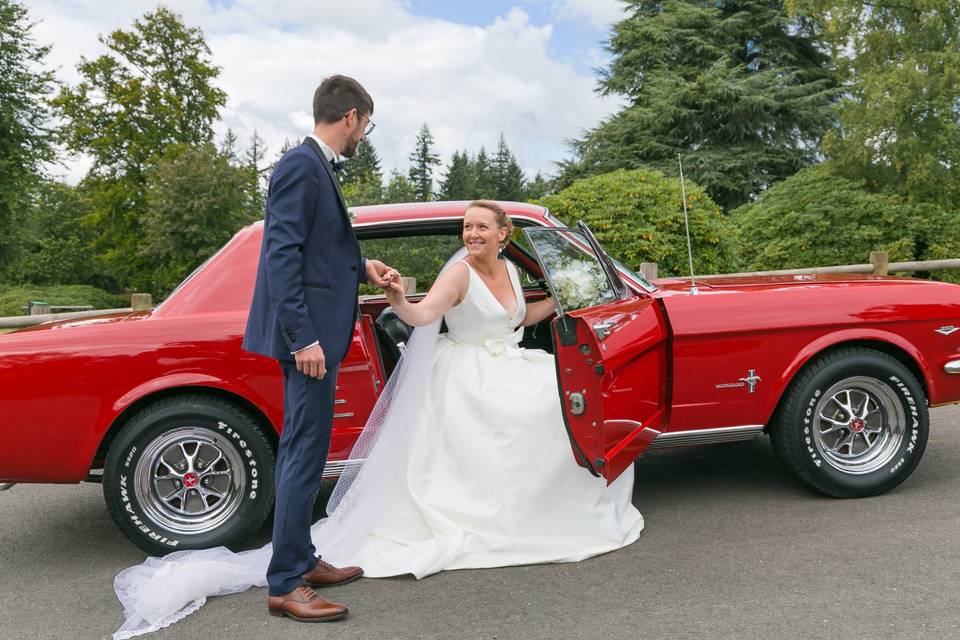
138 302
879 265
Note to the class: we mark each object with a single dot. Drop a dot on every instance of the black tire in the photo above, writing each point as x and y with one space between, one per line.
868 456
207 445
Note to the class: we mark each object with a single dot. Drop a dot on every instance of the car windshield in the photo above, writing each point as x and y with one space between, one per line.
626 271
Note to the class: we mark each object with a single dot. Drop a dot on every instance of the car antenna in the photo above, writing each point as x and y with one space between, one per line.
686 222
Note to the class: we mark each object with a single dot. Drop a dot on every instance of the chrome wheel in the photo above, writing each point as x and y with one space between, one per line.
858 425
190 480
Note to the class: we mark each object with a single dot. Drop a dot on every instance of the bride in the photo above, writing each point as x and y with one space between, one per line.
467 461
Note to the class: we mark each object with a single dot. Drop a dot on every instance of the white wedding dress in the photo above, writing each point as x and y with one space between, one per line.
491 480
467 465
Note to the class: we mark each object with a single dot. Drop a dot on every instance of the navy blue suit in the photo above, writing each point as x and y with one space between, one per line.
306 291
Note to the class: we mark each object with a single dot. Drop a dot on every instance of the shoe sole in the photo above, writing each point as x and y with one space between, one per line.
334 584
281 613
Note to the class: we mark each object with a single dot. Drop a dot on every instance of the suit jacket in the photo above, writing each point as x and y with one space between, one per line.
310 264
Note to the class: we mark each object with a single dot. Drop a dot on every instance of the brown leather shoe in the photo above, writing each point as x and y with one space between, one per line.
304 605
327 575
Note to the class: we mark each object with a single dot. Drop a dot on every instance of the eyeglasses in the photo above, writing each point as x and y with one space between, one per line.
370 124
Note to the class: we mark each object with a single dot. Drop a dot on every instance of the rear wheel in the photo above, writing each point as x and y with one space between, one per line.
854 423
189 472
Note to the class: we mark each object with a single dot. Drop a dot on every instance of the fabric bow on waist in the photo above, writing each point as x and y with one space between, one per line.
506 345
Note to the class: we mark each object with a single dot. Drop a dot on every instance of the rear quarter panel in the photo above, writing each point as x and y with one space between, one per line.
774 329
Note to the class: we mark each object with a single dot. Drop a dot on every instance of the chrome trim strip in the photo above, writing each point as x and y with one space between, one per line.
6 485
339 402
705 436
348 414
952 367
335 467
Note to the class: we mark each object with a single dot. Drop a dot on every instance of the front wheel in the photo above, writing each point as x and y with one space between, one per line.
189 472
854 423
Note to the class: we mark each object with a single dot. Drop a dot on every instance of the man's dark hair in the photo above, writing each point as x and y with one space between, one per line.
336 96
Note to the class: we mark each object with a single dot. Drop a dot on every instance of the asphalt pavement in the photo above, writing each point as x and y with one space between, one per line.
733 547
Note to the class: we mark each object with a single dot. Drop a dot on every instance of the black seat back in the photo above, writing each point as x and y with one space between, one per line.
394 331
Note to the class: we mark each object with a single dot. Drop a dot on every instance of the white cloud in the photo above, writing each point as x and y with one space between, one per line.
599 13
468 83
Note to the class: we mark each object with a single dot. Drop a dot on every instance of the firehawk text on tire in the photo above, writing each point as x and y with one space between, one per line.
189 472
854 423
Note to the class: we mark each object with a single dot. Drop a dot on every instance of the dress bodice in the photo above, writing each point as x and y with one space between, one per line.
480 317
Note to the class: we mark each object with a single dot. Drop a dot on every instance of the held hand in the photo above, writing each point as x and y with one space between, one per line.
311 361
394 291
376 272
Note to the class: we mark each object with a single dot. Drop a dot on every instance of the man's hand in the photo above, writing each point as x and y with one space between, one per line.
311 361
379 274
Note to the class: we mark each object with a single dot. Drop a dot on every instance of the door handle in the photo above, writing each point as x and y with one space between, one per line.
605 328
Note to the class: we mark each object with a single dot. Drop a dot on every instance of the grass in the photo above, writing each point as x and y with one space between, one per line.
13 298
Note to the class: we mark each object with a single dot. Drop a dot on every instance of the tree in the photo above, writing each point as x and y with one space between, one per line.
484 175
399 189
422 162
820 217
507 173
361 177
153 89
196 201
742 90
459 182
537 188
638 217
899 123
255 174
24 116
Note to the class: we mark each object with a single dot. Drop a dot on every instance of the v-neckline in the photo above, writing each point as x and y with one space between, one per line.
513 289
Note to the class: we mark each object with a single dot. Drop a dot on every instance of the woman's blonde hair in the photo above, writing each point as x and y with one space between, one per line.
503 220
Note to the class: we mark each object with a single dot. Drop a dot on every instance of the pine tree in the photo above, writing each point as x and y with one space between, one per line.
459 183
362 167
485 175
256 172
422 162
399 189
737 87
537 188
507 173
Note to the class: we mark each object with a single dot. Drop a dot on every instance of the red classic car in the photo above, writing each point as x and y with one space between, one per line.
180 425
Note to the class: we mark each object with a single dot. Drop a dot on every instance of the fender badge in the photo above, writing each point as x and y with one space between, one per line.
750 381
947 330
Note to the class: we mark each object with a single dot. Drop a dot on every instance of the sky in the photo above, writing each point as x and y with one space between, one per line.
471 70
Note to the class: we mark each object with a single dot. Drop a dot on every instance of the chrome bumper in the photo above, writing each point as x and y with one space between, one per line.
952 367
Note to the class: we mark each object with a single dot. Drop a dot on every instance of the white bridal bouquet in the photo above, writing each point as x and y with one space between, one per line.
581 284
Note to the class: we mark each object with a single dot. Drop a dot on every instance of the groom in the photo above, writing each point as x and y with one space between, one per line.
303 313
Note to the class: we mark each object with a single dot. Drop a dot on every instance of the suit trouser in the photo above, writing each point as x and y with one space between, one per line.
301 456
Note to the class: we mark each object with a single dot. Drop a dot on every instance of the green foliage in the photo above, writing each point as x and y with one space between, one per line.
13 298
399 189
419 257
484 175
899 124
361 178
739 89
24 116
508 176
195 202
51 241
638 217
460 182
422 162
153 89
819 218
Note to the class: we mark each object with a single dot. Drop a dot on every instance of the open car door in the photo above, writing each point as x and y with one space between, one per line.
610 350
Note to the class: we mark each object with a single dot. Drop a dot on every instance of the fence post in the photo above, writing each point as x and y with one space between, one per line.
141 301
38 308
648 270
409 284
879 260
